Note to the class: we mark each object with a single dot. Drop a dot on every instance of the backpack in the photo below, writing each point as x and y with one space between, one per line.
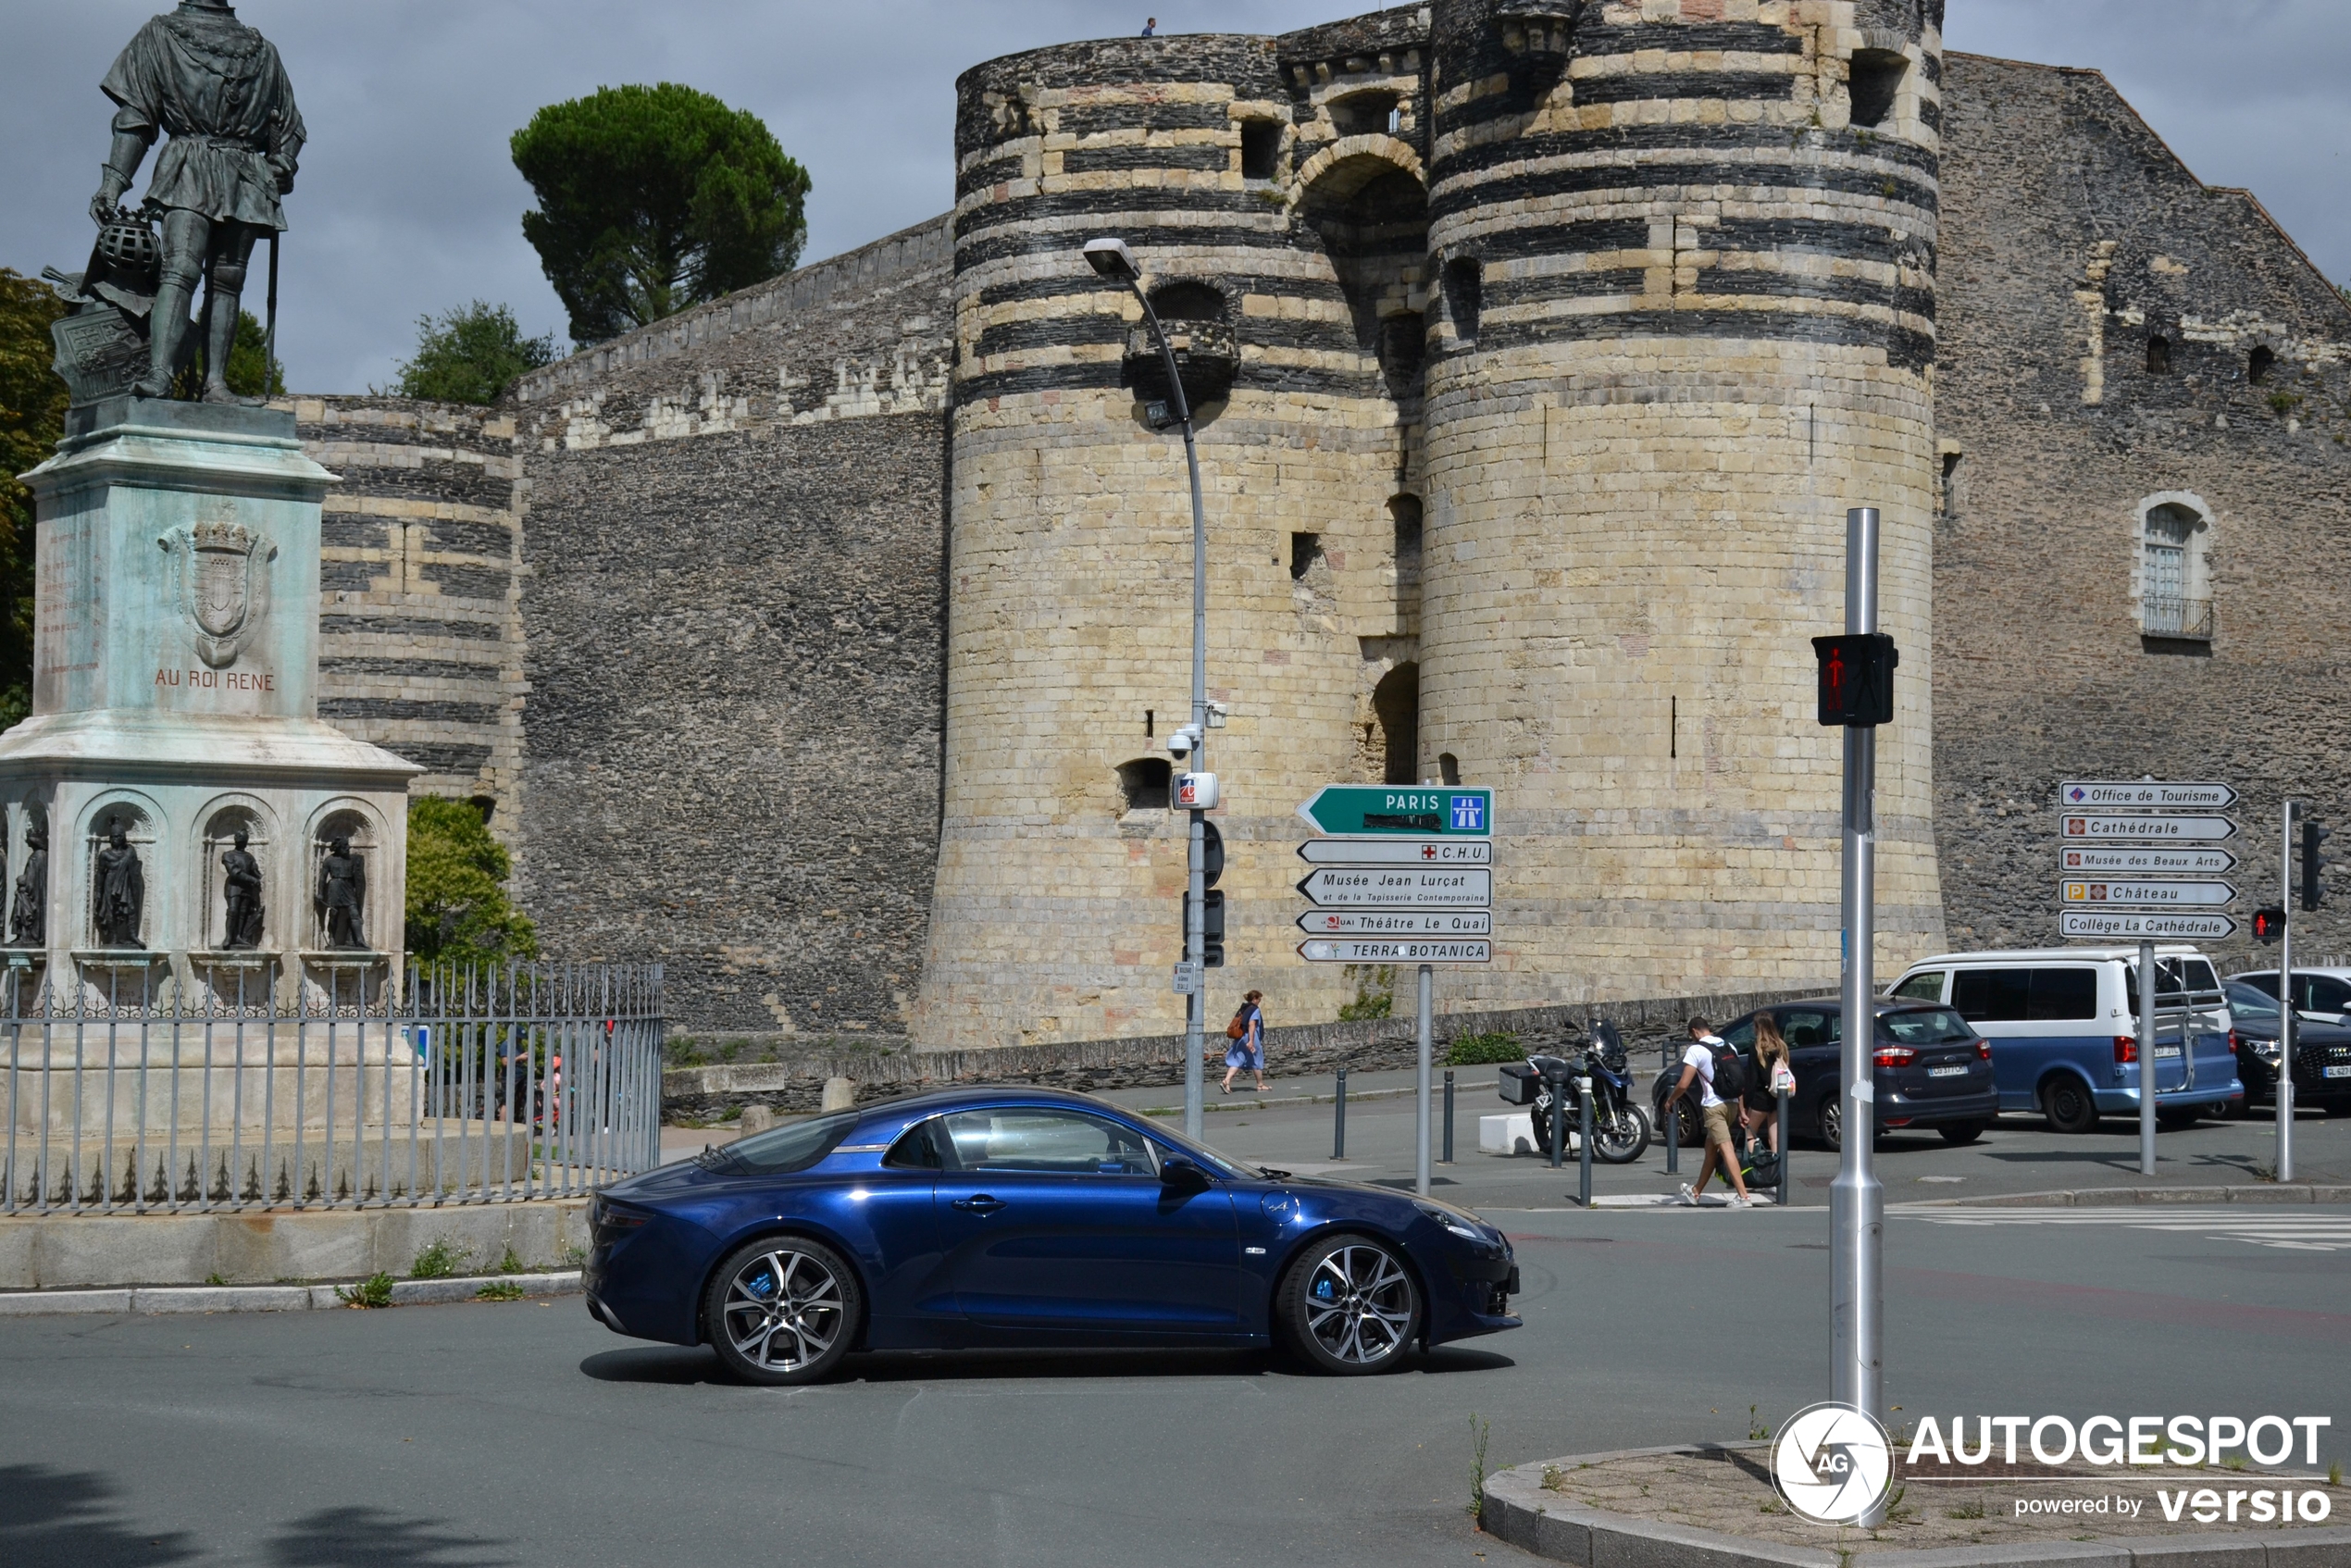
1732 1076
1238 1029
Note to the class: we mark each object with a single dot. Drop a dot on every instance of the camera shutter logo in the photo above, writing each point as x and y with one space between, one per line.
1832 1462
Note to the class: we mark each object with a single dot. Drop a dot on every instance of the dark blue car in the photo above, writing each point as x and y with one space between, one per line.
1019 1216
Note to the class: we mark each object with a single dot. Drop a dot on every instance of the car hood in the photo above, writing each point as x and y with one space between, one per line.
2304 1031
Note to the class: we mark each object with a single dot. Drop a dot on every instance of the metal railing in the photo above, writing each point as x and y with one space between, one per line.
129 1090
2169 614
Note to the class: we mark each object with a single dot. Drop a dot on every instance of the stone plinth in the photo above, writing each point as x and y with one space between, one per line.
175 671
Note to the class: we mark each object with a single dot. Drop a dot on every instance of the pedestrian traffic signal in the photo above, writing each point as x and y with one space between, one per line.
2314 892
1856 678
2268 924
1211 853
1212 928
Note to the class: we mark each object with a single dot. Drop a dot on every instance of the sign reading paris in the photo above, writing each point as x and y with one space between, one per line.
1427 811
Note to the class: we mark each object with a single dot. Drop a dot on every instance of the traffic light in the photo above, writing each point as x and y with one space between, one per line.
1856 677
2268 924
1212 924
2314 892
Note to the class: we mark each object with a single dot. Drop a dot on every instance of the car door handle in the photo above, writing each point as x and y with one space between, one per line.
979 1203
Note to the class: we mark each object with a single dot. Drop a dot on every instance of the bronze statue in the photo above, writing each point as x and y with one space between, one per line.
342 894
240 877
29 916
219 88
122 890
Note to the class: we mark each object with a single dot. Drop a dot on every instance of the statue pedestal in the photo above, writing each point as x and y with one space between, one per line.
175 674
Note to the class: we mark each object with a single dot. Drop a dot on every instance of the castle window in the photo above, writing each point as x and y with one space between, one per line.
1144 782
1305 551
1873 78
1260 148
2174 580
1465 292
1364 114
1449 767
1406 511
1951 483
2257 365
1397 700
1188 301
1403 344
2158 357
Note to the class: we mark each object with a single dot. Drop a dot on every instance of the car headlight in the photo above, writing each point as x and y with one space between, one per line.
1459 1222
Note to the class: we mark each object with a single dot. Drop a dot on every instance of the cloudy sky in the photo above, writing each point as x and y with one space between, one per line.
408 203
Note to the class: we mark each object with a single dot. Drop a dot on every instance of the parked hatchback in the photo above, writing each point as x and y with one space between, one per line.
1931 1070
2063 1025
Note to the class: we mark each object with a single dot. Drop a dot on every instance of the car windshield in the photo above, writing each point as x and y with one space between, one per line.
2247 1003
1221 1164
1924 1026
792 1147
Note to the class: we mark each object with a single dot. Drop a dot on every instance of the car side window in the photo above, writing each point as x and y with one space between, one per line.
2327 994
1926 986
2063 994
1047 1141
1740 1036
1805 1027
1992 996
915 1150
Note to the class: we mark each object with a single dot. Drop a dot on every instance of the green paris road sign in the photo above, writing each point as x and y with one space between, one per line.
1448 810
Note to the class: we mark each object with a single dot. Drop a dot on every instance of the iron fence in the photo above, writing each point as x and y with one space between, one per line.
136 1088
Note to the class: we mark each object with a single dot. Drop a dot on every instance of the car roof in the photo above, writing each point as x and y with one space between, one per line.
1835 1004
2331 971
918 1104
2057 954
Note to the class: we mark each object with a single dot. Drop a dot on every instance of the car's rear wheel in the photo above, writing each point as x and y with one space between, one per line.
1963 1132
2068 1106
2173 1121
1348 1306
782 1310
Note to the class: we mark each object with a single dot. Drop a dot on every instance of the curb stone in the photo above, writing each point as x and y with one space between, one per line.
146 1300
1516 1510
2119 1196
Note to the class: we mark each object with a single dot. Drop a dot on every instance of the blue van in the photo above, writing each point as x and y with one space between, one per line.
2063 1024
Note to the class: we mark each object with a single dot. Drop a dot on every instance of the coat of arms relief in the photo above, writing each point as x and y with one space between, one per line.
223 585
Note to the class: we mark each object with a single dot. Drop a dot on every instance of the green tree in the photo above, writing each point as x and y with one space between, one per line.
251 373
652 199
471 355
32 417
458 912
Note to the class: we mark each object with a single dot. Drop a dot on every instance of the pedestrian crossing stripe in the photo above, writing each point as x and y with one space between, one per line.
2308 1232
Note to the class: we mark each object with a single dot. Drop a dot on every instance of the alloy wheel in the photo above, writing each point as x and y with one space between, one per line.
783 1310
1358 1304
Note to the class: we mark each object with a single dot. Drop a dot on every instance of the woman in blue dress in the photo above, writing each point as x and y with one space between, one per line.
1247 1048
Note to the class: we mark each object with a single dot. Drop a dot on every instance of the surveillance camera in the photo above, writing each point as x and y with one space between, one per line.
1112 260
1181 742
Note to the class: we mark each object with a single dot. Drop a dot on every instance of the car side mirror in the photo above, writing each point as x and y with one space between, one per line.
1177 1172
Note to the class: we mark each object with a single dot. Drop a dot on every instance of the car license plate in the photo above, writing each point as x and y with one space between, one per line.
2344 1072
2163 1050
1945 1072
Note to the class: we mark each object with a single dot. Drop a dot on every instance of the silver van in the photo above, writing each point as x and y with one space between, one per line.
2064 1025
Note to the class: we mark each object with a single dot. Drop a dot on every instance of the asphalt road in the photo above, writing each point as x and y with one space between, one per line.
525 1434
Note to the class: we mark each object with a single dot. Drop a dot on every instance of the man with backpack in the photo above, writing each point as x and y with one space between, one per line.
1720 1076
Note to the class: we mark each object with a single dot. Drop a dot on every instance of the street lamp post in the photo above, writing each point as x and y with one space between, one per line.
1112 259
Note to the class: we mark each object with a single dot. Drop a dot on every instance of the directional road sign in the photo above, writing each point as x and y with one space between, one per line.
1396 851
2152 895
2151 861
1351 950
1398 922
2074 794
2146 829
2136 925
1400 886
1449 811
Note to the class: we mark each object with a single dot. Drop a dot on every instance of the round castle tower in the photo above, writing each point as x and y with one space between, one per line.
1273 192
1687 255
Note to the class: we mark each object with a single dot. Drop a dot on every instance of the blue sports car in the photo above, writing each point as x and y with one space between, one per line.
1026 1216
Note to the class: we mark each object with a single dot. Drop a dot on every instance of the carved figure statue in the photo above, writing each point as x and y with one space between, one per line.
29 916
219 88
342 894
123 888
241 877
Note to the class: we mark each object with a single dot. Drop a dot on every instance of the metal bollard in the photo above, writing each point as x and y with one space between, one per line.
1672 1137
1557 1085
1449 1115
1784 1159
1338 1120
1583 1159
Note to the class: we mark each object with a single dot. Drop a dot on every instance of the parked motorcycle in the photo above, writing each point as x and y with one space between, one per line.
1619 1126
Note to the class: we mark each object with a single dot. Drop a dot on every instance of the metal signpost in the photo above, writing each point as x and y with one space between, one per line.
1405 877
2286 1030
2145 834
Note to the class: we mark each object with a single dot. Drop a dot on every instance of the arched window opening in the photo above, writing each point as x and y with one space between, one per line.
1260 148
1144 783
1464 294
1874 80
2158 357
1397 700
2175 595
2257 364
1364 114
1449 767
1372 217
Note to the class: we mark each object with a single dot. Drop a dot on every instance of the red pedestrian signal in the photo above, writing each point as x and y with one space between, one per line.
2268 924
1856 678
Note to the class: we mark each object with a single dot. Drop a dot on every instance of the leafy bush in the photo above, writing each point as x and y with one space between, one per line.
440 1259
471 355
1473 1051
458 912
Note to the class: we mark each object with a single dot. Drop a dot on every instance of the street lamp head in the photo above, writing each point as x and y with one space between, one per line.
1112 260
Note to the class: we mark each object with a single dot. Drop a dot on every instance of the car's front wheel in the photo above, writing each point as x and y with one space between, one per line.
782 1310
1348 1306
2068 1107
